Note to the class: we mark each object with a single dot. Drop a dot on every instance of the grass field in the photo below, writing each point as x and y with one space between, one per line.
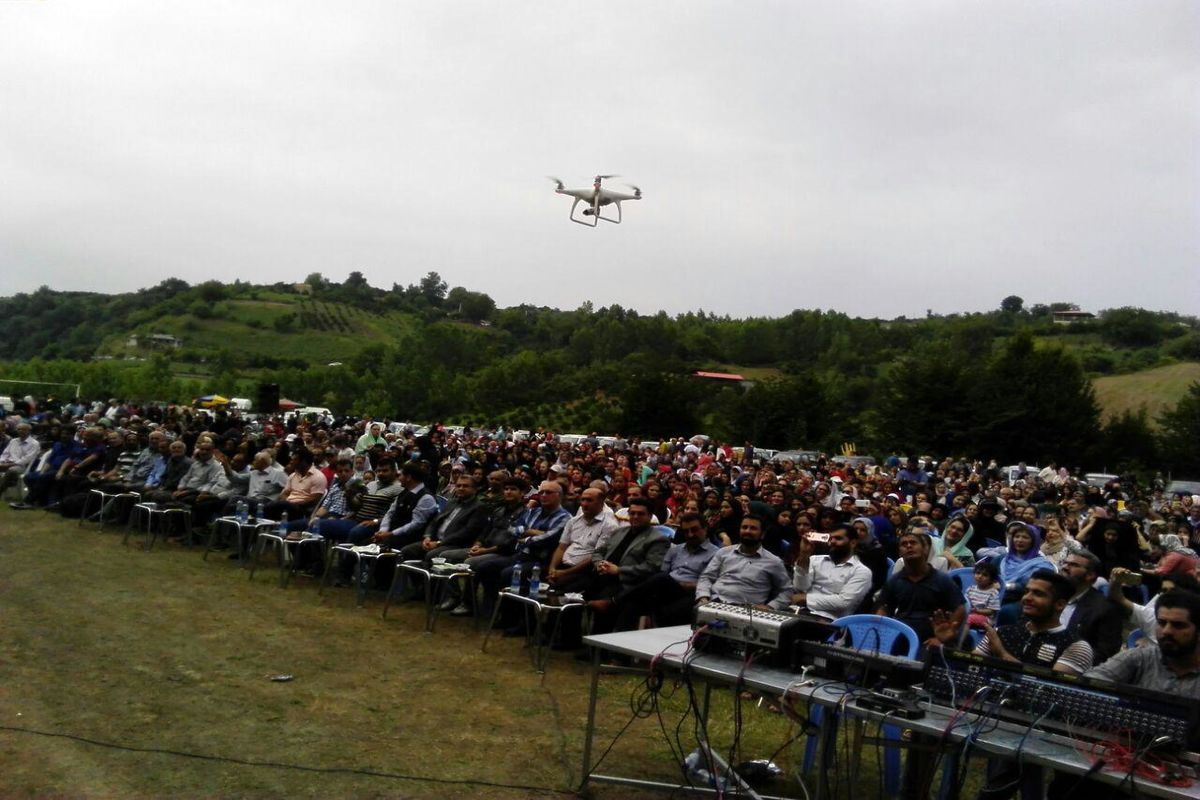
162 650
1155 389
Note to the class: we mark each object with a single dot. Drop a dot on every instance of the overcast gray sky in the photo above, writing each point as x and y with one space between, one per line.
875 158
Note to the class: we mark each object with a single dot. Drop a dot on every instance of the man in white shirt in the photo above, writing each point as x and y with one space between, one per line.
833 585
18 456
584 534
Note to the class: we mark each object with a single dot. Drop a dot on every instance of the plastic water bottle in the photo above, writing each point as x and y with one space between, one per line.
515 588
243 512
535 580
694 767
283 525
316 530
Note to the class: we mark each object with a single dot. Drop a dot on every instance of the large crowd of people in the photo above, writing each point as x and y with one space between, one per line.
1058 569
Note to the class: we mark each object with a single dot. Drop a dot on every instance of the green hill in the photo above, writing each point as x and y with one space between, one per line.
1008 382
1156 390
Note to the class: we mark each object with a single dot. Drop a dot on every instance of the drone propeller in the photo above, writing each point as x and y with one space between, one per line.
636 191
606 177
557 181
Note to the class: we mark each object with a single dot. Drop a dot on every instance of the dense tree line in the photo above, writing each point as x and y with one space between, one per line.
999 383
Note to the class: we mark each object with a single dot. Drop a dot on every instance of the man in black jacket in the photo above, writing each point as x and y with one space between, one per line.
455 528
1089 613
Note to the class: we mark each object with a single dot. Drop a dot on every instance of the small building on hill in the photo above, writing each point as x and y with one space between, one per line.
727 378
1070 316
157 341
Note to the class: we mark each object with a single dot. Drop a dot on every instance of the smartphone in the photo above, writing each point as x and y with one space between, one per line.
813 536
1131 579
862 502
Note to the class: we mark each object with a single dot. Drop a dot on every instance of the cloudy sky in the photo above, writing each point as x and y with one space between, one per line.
877 158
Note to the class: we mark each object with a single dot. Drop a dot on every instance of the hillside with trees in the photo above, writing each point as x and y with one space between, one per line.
1011 383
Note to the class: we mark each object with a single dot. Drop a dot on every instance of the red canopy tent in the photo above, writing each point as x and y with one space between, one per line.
288 405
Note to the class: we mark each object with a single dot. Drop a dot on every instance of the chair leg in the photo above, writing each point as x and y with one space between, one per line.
330 563
391 592
492 624
255 552
286 560
362 577
87 503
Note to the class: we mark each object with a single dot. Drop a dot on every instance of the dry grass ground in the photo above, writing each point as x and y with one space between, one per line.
162 650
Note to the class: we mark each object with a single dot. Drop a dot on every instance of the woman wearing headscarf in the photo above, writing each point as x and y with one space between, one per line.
1022 560
873 557
1057 545
727 529
1115 544
1177 558
955 538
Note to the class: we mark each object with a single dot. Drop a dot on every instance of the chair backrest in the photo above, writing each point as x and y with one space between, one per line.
964 577
442 500
891 562
666 531
875 633
1134 635
994 543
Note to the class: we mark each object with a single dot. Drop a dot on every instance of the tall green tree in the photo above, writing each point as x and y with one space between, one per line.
1034 403
1180 433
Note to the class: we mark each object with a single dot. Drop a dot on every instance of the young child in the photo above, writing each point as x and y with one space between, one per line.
984 596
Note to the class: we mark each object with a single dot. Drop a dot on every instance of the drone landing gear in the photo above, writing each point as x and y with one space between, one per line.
616 221
594 213
589 211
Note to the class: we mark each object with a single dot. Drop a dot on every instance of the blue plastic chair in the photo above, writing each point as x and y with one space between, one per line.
872 633
875 633
993 543
891 562
1134 636
964 577
442 501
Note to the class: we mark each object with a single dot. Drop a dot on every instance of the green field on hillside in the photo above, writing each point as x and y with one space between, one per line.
313 330
1156 390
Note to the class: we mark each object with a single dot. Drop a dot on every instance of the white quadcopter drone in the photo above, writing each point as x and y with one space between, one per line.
596 198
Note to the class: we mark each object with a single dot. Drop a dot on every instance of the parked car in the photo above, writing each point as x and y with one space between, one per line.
1012 474
858 462
798 456
1099 479
1183 487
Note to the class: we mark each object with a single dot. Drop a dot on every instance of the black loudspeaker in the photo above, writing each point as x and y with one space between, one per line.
268 398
